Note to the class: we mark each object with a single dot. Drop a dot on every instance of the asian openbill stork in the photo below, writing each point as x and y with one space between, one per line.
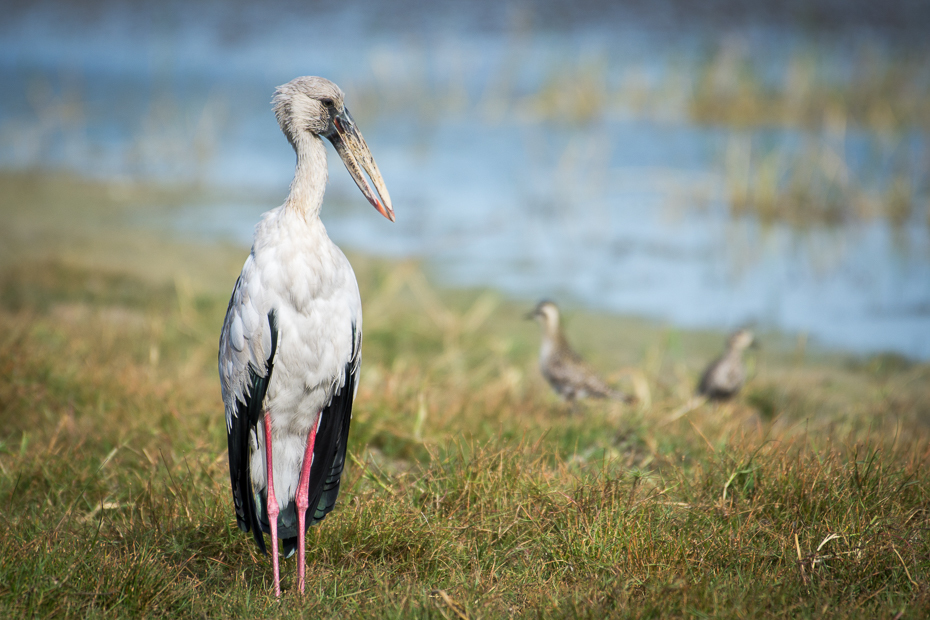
290 348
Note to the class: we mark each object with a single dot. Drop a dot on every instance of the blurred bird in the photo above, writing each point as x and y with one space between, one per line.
724 377
290 348
564 369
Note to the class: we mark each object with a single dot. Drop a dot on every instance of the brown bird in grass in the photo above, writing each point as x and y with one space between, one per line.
564 369
724 377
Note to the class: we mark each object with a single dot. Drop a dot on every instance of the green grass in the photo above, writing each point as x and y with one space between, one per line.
472 491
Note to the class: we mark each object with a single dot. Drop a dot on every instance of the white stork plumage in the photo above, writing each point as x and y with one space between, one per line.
290 348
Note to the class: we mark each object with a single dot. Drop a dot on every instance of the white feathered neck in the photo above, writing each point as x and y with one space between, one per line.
310 176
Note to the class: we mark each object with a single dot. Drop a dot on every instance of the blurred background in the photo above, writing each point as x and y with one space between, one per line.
707 164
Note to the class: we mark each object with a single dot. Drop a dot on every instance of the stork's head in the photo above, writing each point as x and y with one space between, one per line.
547 313
741 340
314 106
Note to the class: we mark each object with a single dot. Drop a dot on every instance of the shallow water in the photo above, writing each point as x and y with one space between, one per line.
625 210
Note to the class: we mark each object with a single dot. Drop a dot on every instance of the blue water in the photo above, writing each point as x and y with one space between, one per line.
625 212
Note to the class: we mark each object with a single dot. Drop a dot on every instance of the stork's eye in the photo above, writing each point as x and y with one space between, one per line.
327 102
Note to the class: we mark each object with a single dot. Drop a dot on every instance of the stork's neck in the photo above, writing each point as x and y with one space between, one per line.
309 184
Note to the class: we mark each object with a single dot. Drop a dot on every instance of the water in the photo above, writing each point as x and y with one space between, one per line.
625 210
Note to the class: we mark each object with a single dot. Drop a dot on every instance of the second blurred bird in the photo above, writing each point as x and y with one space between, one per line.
724 377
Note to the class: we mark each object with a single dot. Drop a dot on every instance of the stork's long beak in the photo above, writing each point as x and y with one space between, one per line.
354 152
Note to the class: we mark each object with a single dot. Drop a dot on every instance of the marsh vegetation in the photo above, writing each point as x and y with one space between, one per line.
472 491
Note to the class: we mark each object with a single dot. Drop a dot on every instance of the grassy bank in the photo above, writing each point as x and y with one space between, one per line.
472 491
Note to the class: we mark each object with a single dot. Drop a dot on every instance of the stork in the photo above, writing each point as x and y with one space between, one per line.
291 343
564 369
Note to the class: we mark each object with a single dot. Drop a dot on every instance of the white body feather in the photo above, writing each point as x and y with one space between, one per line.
295 269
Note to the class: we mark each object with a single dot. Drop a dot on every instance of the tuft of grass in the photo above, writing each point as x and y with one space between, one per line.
471 490
813 186
849 122
872 86
875 89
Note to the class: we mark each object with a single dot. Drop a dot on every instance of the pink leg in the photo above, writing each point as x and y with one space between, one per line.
272 506
303 503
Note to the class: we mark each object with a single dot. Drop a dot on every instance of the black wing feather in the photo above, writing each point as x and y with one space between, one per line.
249 414
341 411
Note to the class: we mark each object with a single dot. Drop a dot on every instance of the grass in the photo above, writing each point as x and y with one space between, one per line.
814 187
869 85
472 491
